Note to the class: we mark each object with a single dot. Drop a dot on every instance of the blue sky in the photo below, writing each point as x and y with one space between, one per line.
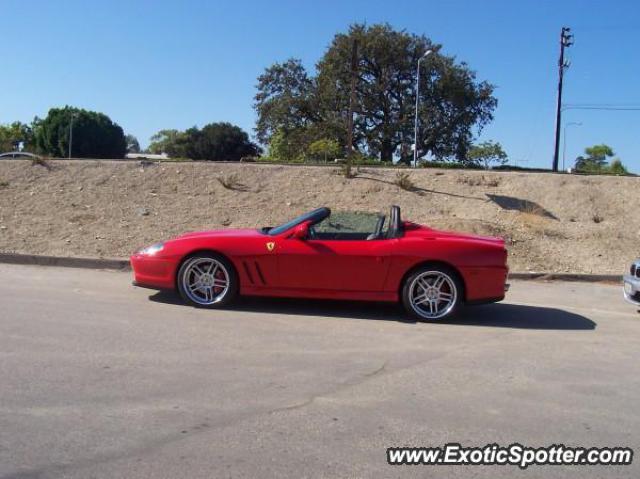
173 64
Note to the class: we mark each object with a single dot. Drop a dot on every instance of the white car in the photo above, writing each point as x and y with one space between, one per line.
631 283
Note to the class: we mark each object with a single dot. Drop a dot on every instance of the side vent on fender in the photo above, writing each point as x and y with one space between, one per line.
248 272
259 271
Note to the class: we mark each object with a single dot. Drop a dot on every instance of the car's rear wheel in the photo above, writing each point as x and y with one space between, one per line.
432 293
207 280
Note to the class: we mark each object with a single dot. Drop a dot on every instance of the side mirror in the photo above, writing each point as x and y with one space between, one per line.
301 232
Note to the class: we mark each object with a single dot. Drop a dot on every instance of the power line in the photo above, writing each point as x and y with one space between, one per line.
597 107
626 104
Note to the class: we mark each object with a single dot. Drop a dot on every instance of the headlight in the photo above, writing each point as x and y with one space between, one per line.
153 249
628 288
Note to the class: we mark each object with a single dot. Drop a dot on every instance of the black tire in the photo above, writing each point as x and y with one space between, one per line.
451 285
219 300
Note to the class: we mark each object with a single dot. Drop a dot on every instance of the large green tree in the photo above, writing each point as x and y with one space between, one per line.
453 104
94 134
215 142
285 100
219 142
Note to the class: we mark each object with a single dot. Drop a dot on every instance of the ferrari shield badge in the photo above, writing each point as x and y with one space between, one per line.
271 245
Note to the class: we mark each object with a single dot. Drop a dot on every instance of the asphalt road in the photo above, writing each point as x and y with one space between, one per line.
99 379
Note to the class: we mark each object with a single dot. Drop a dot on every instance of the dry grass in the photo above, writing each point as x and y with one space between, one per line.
479 181
538 222
40 161
347 171
232 182
534 216
404 181
4 184
534 209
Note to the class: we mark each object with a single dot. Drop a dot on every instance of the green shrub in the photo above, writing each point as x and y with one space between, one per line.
521 168
450 165
617 168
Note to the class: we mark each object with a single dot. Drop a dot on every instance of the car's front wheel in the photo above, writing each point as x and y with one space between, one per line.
207 280
432 293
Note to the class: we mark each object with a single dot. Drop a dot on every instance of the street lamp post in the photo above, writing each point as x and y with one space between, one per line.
415 124
73 115
564 140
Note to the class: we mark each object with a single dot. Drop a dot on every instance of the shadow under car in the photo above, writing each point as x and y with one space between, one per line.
497 315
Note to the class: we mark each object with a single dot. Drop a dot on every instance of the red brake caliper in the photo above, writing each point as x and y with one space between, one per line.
219 275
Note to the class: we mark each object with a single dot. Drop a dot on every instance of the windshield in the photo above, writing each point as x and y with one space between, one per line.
349 225
315 216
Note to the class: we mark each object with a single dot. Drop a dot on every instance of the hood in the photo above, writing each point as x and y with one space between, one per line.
220 233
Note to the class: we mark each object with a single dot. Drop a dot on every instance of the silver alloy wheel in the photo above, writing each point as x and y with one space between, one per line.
433 294
205 280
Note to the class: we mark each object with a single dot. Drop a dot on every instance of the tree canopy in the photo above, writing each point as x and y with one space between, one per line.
94 134
214 142
453 105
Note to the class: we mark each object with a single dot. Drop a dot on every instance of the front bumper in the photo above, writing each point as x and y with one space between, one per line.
631 289
153 272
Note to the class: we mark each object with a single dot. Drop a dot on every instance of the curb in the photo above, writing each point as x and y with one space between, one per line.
89 263
123 265
581 277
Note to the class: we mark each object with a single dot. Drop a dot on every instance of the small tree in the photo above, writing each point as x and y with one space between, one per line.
170 142
324 149
13 134
486 153
595 158
280 147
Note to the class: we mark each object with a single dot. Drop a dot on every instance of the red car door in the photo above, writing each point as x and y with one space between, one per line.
343 265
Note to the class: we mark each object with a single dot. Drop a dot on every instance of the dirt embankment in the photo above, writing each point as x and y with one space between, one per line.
552 223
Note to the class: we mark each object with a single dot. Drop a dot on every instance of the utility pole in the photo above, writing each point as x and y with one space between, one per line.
73 115
415 121
352 100
566 40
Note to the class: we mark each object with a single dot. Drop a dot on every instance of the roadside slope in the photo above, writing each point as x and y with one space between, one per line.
553 223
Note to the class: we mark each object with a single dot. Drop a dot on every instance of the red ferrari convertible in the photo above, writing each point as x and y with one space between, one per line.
351 256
